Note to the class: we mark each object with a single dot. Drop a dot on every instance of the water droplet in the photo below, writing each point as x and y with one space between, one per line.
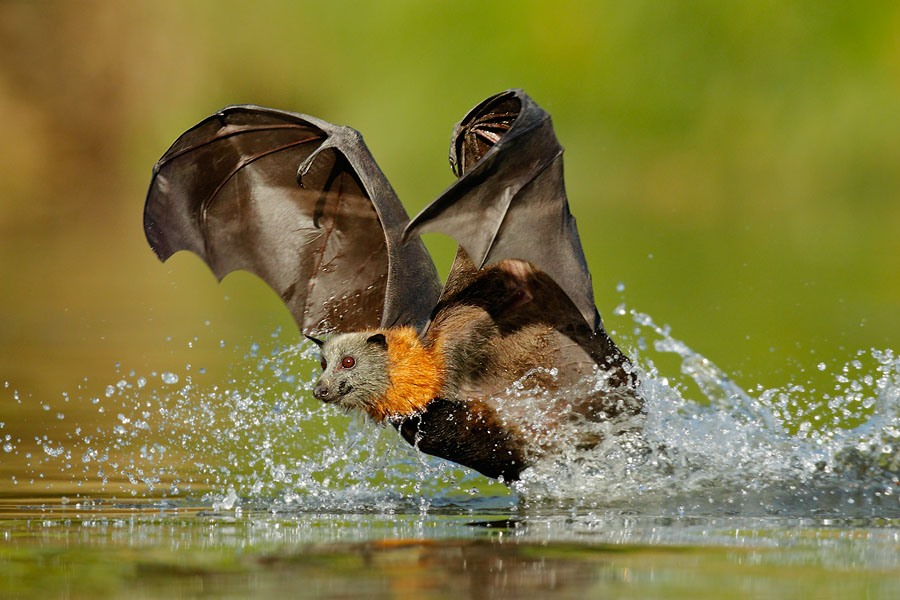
53 451
169 377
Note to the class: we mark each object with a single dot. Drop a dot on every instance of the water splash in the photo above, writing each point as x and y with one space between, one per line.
784 451
256 438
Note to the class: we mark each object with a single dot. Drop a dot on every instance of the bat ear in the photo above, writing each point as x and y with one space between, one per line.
315 341
378 339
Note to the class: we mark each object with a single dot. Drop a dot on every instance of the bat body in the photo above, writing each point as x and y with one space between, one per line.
480 371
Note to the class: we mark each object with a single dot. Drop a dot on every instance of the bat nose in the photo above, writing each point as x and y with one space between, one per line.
320 391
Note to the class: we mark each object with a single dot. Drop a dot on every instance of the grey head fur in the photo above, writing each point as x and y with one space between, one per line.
356 370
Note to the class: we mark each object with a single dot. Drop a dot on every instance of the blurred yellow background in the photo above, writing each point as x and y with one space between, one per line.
735 164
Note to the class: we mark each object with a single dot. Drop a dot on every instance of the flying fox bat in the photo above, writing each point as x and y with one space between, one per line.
301 203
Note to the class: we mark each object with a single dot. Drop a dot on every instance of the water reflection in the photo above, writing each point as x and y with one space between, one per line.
156 523
159 549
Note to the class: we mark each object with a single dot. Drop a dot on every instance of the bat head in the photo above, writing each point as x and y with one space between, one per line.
354 370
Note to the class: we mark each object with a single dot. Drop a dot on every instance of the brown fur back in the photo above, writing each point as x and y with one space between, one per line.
510 323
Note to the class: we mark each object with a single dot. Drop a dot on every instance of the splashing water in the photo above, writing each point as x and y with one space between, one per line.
782 452
257 438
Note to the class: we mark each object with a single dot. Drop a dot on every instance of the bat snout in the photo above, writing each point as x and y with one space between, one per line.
322 392
331 391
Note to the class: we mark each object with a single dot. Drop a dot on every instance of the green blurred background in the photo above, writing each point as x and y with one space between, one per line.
735 164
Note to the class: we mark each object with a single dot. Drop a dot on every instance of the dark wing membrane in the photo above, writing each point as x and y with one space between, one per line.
510 199
300 203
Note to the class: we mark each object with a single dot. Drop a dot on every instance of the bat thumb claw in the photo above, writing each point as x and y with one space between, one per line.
315 341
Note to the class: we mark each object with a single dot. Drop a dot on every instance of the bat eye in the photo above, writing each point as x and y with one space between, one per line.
324 364
347 362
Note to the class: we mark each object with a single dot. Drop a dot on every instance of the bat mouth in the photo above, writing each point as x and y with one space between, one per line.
338 398
332 395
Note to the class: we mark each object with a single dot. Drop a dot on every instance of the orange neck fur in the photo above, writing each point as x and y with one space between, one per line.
416 372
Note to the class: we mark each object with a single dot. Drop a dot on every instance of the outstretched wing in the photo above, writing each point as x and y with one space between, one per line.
510 199
299 202
518 307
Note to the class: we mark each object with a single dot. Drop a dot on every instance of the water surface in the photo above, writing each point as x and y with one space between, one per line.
187 483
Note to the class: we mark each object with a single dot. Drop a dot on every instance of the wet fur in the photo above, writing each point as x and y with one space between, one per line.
506 323
367 381
503 322
394 377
